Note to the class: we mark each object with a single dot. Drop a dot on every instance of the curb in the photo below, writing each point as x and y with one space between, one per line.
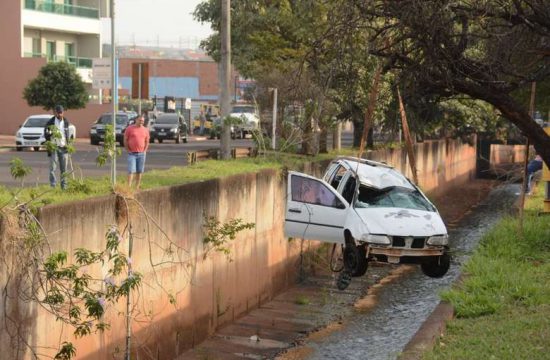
6 148
432 329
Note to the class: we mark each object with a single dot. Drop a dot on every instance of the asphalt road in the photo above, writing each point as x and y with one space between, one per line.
159 156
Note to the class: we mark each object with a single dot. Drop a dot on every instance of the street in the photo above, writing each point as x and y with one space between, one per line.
159 156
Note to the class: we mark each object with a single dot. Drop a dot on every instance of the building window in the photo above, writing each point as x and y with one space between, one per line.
36 47
69 53
50 50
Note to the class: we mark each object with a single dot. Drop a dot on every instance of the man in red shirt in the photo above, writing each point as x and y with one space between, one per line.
136 142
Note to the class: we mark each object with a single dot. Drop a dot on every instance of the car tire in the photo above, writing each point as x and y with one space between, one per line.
151 140
36 148
121 142
355 260
185 140
19 148
178 139
438 267
160 141
94 142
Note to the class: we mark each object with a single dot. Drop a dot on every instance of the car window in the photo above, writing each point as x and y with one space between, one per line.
395 197
167 120
338 175
312 191
349 189
107 119
36 122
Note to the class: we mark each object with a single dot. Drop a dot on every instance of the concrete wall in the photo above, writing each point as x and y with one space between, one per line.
209 289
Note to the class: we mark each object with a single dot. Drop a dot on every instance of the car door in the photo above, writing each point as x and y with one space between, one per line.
314 210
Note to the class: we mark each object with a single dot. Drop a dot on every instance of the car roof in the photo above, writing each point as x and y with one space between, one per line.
49 116
376 174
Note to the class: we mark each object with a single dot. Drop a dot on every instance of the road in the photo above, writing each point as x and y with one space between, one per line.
159 156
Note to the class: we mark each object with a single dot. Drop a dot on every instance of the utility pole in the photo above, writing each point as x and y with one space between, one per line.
114 95
274 125
225 72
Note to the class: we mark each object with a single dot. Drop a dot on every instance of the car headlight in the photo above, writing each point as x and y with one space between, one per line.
439 240
376 239
93 131
18 134
174 130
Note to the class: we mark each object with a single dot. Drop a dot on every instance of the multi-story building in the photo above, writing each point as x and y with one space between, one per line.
35 32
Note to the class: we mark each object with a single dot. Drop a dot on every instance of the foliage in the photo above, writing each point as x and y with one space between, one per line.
487 50
56 83
109 150
51 145
217 235
19 170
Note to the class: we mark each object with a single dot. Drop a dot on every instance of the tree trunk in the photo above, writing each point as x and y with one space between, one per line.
337 137
323 147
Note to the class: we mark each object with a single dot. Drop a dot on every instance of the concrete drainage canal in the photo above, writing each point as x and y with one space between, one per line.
394 301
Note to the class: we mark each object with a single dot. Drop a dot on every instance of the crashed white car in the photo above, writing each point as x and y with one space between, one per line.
373 211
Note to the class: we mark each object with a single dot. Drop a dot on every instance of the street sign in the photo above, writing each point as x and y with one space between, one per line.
101 73
188 104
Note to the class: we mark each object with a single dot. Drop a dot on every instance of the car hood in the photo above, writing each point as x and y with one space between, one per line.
164 126
402 222
248 117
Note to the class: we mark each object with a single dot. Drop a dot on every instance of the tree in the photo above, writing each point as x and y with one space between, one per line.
56 83
488 50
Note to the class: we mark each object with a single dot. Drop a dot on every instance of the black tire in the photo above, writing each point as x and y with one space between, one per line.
233 136
94 142
160 141
121 143
151 140
19 148
438 267
178 139
185 140
355 260
36 148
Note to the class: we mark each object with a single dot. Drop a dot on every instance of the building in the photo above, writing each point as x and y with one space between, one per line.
37 31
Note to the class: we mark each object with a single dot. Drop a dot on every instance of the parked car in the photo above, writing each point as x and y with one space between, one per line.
373 211
216 129
31 132
97 131
169 126
249 119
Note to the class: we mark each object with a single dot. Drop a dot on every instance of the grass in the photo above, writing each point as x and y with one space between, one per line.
200 171
502 306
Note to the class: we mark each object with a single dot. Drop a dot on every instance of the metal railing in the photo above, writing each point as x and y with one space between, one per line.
63 9
79 62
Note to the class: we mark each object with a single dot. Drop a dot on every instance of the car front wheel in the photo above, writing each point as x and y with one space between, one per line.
36 148
355 260
438 267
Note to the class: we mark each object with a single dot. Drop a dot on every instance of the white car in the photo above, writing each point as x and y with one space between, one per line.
31 132
373 211
248 115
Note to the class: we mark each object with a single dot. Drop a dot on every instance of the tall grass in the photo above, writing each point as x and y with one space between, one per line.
502 305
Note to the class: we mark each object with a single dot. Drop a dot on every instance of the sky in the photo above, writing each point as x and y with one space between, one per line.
156 22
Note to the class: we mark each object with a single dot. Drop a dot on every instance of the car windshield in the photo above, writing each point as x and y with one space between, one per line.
36 122
243 109
394 197
167 120
107 119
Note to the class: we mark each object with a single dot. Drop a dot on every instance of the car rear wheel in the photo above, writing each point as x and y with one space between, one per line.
36 148
438 267
160 141
355 259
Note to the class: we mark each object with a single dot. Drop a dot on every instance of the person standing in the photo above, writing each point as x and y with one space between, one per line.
533 166
57 134
202 122
136 142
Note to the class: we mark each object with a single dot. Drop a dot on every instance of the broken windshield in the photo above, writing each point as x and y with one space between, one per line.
394 197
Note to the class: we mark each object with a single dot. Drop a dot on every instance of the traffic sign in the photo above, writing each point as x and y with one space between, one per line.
101 73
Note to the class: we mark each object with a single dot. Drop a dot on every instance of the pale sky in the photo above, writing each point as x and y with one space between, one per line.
156 22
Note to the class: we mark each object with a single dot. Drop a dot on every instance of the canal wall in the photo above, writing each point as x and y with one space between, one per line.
189 290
